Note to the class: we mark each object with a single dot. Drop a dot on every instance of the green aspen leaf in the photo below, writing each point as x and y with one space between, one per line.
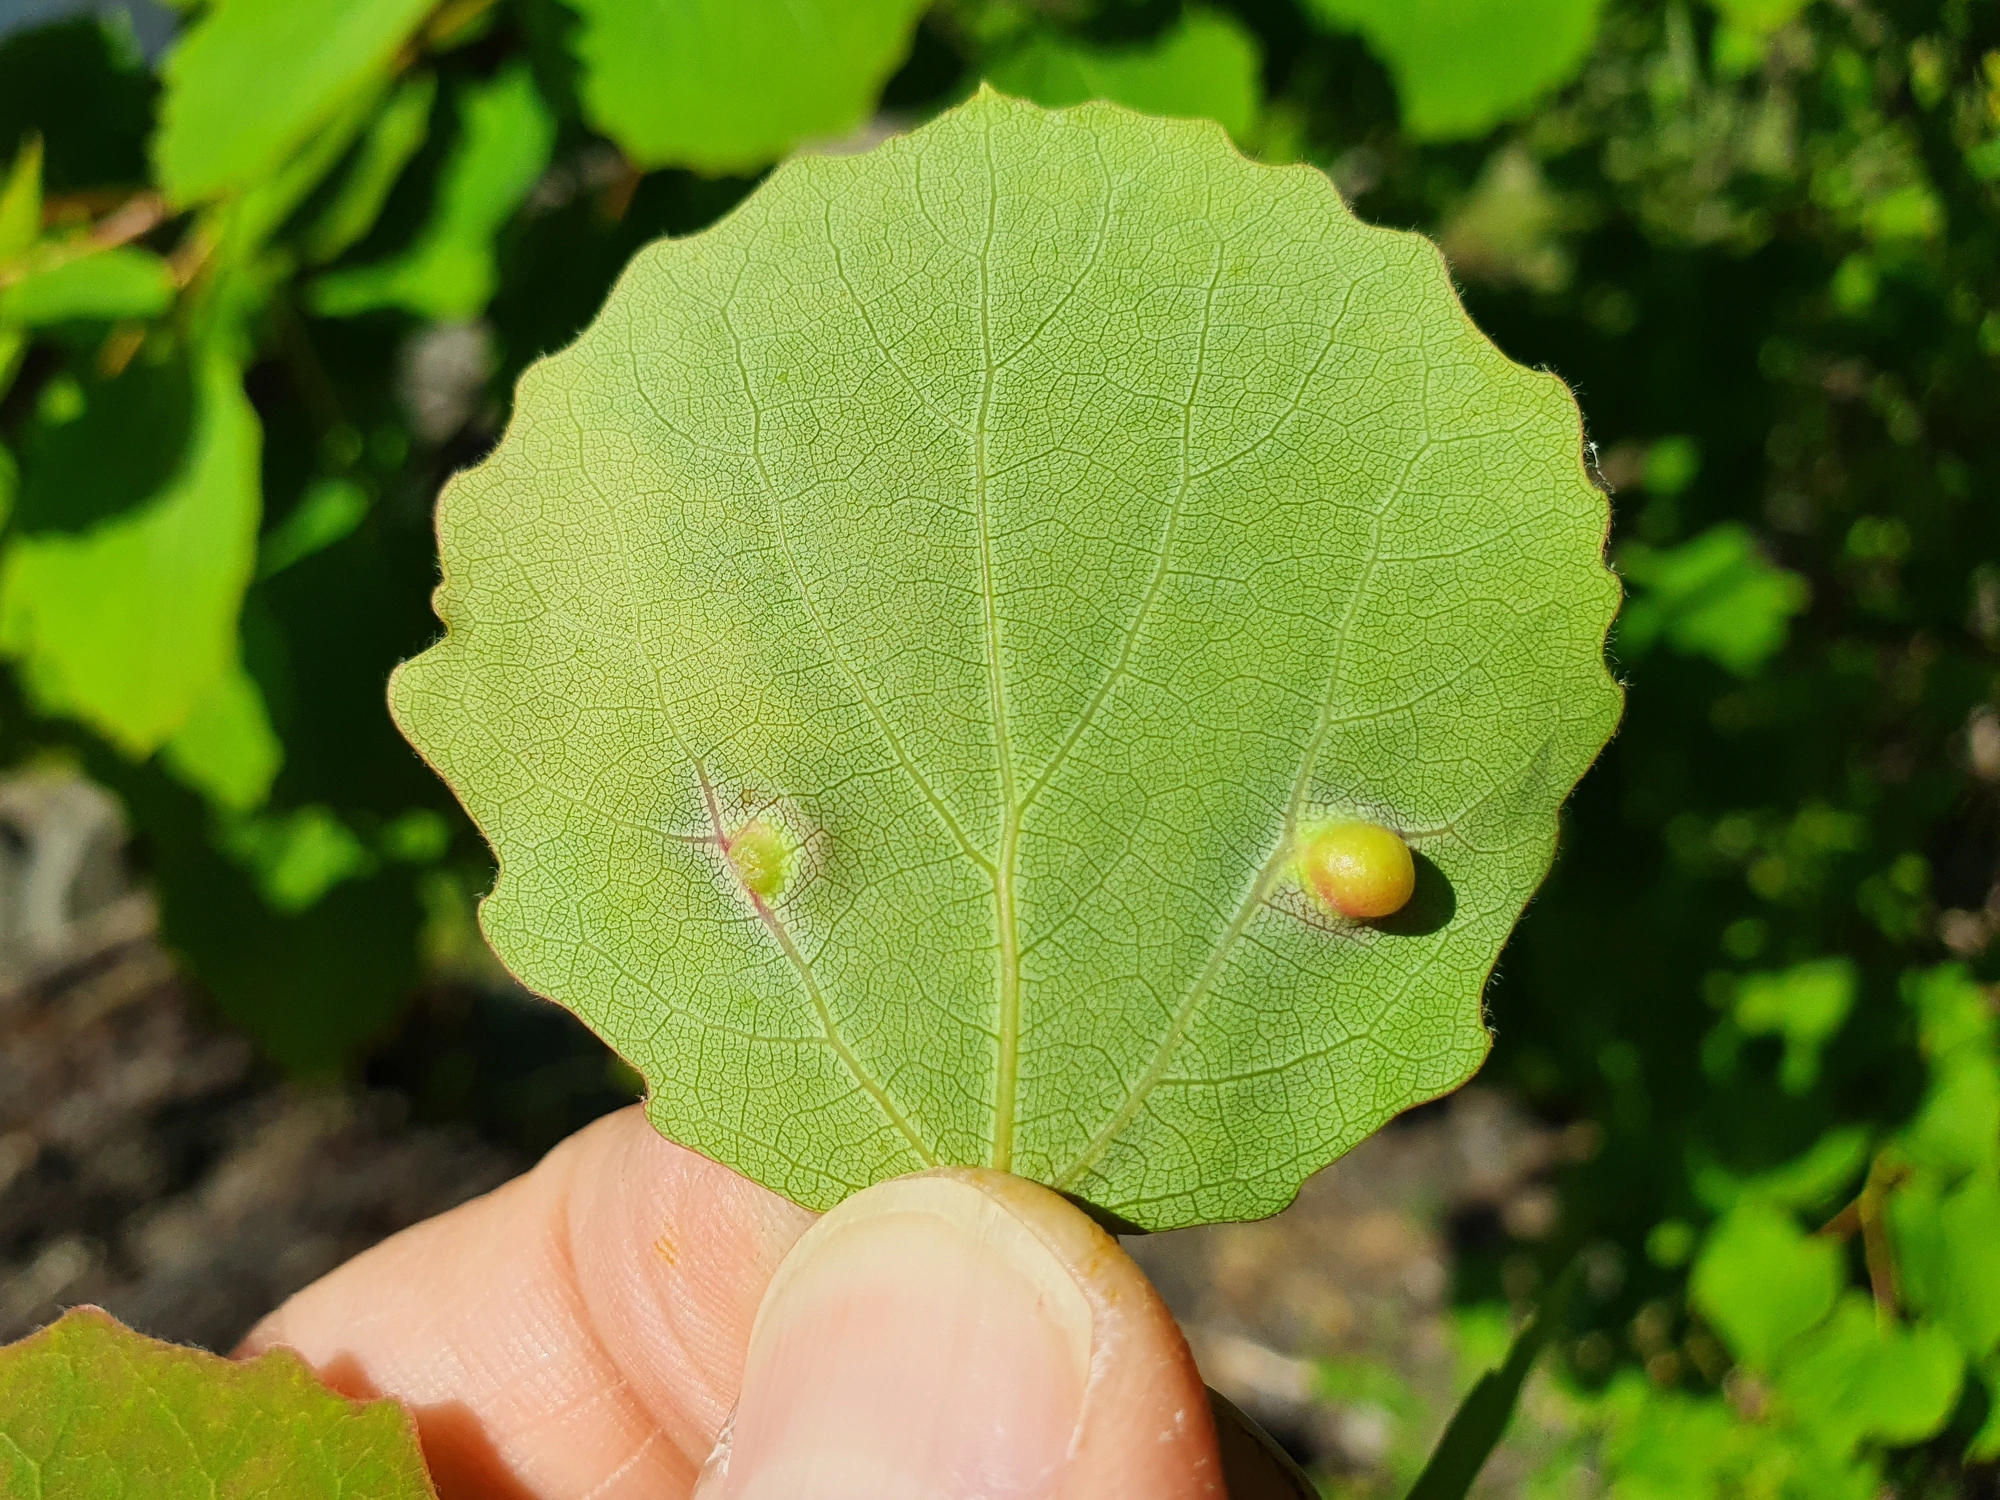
1806 1005
1758 15
396 135
250 82
297 857
1207 67
227 749
21 201
13 345
1762 1281
730 87
1714 595
90 1408
122 282
129 625
1948 1250
1034 524
449 274
327 513
1853 1381
1814 1180
1463 66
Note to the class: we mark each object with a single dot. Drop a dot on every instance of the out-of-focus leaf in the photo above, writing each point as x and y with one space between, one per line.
1207 67
245 224
1985 1445
121 282
227 749
88 1408
128 626
1806 1005
297 857
1948 1250
1761 1281
13 345
1508 229
328 511
21 201
1852 1380
1957 1126
1463 66
1481 1420
1758 15
122 445
85 93
1955 1013
1809 1182
1713 596
449 274
397 134
729 88
886 512
249 82
309 989
417 837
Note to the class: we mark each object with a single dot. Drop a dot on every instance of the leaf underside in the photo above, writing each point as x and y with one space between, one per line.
1037 519
88 1407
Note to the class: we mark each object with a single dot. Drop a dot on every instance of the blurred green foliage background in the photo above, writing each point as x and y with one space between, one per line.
269 267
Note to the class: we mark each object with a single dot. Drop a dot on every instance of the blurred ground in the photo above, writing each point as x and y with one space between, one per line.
148 1163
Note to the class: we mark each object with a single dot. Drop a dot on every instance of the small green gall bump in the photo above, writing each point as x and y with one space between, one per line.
1361 871
761 857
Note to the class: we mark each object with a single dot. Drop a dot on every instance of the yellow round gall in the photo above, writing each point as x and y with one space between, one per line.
1361 871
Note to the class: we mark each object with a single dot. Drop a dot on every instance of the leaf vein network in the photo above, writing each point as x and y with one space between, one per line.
1260 887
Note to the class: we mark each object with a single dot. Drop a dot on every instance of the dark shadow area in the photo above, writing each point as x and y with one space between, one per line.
457 1448
1105 1219
1433 904
1255 1466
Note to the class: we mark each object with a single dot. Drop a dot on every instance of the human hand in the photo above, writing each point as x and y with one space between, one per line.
589 1329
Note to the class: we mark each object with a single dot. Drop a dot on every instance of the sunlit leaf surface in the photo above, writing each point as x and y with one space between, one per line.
1034 521
89 1408
728 88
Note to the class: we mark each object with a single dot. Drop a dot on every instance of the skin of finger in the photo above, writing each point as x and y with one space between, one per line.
579 1331
1146 1432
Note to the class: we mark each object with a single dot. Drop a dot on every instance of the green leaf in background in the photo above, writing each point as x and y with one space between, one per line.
1758 15
729 87
1207 67
1483 1416
327 512
1463 66
251 80
1810 1181
21 201
122 282
1957 1127
227 749
1948 1249
298 857
1805 1005
1761 1281
1032 523
1715 596
396 135
90 1408
449 274
109 445
1852 1380
129 625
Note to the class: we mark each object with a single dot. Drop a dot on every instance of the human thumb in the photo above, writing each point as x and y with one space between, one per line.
963 1335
